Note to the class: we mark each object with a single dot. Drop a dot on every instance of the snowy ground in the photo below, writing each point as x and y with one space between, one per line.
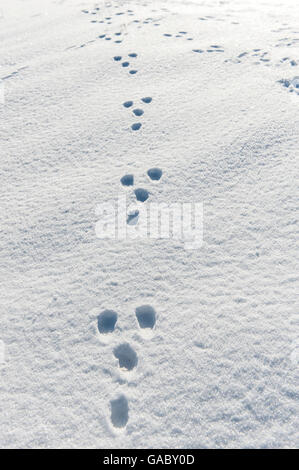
218 364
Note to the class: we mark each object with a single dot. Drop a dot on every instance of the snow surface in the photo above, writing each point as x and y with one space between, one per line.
217 362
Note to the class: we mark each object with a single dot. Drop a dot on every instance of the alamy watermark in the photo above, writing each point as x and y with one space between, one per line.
139 221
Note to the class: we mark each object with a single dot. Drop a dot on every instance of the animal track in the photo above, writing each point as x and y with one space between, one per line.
212 48
127 180
132 218
147 100
141 194
106 321
258 56
146 316
155 174
126 356
128 104
126 63
98 15
107 14
137 111
13 74
292 85
119 412
180 34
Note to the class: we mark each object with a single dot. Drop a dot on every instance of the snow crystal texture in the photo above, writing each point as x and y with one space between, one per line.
142 343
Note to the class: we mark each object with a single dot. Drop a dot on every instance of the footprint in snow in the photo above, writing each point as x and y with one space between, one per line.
106 321
136 111
291 84
126 356
147 99
128 104
180 34
141 194
119 411
212 48
146 316
155 174
126 63
127 180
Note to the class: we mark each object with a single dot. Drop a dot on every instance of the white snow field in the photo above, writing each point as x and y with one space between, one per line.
109 343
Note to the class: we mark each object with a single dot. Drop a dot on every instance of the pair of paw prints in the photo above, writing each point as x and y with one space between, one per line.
126 63
125 354
107 321
141 194
137 111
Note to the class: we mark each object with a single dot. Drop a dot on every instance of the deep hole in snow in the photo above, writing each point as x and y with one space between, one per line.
119 412
138 112
154 173
106 321
136 126
133 216
127 180
146 316
126 356
141 194
147 99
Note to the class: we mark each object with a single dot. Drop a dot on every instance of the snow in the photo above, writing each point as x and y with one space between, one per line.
144 343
